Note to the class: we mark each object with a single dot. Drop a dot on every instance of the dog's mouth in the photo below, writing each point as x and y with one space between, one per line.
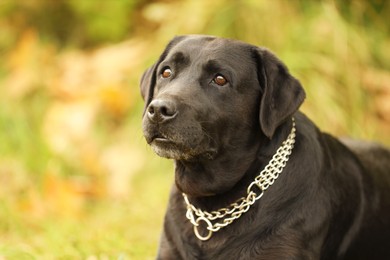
162 142
165 146
173 148
159 138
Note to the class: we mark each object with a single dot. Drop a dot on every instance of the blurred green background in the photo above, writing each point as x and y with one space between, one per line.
77 180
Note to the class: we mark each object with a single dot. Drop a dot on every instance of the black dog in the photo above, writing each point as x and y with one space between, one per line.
255 178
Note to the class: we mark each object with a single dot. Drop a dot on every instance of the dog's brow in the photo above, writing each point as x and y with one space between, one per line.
180 59
212 65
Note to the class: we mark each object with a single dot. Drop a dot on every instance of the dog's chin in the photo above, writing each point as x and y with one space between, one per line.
171 150
168 149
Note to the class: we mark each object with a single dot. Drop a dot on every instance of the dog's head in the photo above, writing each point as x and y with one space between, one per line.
208 96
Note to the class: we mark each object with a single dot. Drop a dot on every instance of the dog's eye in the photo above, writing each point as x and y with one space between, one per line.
167 72
220 80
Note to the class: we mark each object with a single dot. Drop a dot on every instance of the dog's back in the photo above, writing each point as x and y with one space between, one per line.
373 241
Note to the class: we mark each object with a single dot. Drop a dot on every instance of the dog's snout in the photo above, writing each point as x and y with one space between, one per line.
161 110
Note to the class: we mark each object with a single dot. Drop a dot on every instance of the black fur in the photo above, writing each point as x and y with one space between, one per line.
332 200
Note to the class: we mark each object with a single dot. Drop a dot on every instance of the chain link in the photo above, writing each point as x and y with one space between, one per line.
234 211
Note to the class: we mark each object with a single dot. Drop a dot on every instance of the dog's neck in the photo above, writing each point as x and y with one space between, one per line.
226 177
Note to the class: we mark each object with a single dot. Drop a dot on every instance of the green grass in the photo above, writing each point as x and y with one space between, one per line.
127 228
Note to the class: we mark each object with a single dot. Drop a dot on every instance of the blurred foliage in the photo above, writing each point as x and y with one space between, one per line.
78 180
69 22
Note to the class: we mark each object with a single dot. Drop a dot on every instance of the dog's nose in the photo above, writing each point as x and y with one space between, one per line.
161 110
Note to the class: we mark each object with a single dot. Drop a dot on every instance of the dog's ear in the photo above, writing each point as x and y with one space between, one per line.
282 94
148 79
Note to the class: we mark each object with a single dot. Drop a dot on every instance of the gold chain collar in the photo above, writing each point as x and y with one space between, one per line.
234 211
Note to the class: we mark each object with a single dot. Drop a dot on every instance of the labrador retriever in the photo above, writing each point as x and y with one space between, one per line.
254 177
